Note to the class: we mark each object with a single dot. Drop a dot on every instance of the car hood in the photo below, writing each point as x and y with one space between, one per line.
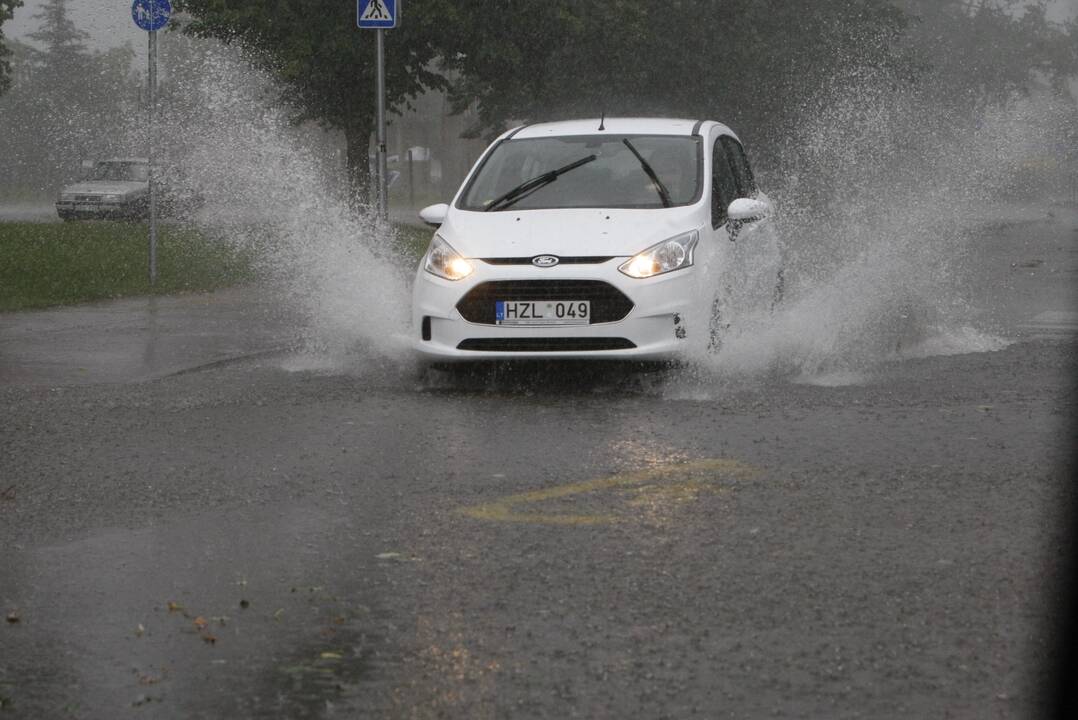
562 232
109 187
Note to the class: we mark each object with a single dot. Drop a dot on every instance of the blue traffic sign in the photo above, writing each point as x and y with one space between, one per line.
151 15
377 13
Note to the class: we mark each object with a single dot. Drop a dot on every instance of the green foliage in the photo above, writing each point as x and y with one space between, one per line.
747 62
326 64
412 241
7 10
53 264
976 53
63 40
68 107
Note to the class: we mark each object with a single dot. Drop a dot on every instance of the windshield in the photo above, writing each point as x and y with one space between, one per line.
129 171
615 179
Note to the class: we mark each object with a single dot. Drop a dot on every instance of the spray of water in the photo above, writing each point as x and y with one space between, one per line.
273 189
876 230
873 227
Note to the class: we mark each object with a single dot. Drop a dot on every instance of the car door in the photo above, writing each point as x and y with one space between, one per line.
732 178
751 272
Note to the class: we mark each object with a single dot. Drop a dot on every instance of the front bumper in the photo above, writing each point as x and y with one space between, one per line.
96 210
654 329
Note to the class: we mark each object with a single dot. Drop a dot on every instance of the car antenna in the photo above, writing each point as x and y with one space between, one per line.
602 118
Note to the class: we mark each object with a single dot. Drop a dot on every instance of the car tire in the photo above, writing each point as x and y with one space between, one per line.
716 326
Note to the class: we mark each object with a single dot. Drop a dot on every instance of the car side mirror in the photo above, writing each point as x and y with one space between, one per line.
748 210
434 215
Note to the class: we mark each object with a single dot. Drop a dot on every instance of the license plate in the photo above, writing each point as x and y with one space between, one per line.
542 312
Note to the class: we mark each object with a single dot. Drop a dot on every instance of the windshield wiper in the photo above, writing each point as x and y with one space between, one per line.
534 184
664 194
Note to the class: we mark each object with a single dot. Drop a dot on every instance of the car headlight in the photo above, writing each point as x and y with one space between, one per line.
445 262
669 255
112 198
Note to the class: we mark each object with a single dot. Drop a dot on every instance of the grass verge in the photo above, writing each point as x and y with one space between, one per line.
44 264
412 240
47 264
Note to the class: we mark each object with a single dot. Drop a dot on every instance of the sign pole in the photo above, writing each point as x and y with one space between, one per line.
153 121
380 15
383 190
151 16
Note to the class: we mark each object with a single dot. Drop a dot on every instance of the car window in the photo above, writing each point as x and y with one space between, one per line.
121 171
723 185
615 179
746 183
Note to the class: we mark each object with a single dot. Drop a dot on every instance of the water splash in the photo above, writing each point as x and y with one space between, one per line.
276 190
876 225
876 231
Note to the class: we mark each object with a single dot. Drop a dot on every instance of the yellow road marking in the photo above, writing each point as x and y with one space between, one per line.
693 477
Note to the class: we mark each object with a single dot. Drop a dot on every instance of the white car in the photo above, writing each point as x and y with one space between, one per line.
601 238
117 188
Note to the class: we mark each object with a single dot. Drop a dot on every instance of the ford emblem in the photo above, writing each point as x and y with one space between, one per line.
545 260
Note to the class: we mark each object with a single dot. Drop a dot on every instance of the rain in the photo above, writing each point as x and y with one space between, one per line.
702 359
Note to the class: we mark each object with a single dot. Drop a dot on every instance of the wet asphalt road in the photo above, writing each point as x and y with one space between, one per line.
242 532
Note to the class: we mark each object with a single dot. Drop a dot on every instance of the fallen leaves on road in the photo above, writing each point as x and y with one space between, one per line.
148 679
200 623
396 557
144 699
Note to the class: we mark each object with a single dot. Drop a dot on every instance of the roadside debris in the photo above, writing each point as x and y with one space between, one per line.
396 557
13 617
144 700
149 679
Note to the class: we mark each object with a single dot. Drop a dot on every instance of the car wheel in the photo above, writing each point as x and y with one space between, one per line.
780 289
717 326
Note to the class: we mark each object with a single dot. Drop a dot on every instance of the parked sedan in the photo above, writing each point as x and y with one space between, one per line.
586 239
118 188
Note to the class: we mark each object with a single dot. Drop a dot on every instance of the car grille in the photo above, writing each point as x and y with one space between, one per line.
608 304
571 344
575 260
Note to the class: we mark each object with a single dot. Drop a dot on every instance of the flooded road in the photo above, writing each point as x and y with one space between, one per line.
231 527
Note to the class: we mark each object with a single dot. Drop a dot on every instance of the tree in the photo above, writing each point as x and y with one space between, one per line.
69 105
981 52
760 66
747 62
535 59
325 63
7 10
65 50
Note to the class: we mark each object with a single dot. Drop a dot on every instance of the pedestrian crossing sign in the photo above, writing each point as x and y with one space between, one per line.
377 13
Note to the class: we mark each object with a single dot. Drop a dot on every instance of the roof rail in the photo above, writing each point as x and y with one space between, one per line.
510 135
